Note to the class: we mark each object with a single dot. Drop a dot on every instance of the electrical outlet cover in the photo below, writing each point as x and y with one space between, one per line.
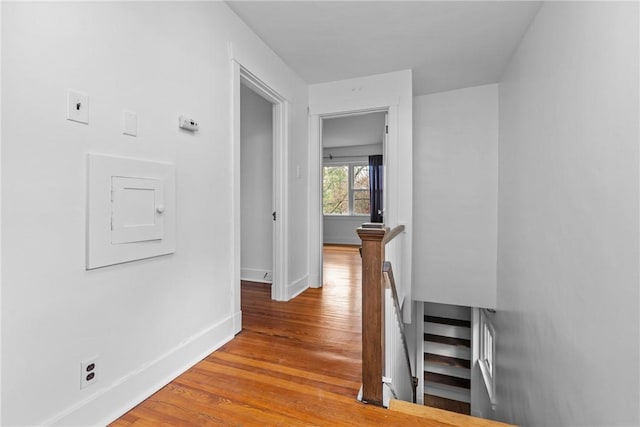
78 106
88 372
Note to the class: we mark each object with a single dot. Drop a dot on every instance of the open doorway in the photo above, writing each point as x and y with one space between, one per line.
256 187
244 80
352 181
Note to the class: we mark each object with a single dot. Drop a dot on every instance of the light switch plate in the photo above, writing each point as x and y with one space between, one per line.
78 106
130 123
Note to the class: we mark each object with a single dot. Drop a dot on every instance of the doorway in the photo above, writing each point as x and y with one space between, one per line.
348 143
256 187
243 78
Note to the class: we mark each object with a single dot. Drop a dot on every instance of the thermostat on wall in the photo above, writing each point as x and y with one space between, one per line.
187 123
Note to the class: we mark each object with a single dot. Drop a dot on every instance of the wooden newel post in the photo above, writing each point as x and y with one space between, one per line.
372 313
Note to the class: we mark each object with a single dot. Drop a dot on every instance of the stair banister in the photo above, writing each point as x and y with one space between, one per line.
374 238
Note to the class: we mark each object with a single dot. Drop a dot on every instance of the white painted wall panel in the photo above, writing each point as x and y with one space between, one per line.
455 167
568 295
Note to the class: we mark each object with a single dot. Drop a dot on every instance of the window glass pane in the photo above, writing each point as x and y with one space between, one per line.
361 202
335 190
360 177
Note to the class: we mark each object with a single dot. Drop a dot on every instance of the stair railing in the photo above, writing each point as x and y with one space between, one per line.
374 238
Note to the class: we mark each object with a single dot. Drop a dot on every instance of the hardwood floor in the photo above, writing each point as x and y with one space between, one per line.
295 363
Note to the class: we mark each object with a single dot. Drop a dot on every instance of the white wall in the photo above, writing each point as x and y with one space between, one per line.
391 90
256 184
455 166
341 230
568 294
147 320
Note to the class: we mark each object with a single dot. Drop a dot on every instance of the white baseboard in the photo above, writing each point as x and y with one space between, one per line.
116 398
342 240
237 323
297 287
256 275
315 282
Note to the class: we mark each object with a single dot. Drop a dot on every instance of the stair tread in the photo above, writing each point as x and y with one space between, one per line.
447 340
445 321
448 391
436 378
452 371
447 330
442 416
447 360
459 352
448 405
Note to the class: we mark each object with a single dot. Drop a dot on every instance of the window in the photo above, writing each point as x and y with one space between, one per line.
345 189
486 359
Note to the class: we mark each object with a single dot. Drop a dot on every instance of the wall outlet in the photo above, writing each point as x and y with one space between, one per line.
88 372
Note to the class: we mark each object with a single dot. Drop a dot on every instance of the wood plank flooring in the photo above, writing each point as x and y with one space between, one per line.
295 363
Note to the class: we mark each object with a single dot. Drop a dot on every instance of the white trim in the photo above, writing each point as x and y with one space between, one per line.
487 350
241 75
256 275
419 372
315 227
337 108
297 287
112 400
237 323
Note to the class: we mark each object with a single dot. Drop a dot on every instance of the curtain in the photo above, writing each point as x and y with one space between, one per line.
375 188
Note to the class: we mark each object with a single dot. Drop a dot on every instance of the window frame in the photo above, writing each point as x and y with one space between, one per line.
351 189
487 353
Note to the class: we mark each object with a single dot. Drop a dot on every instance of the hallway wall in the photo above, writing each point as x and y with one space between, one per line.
455 174
146 320
568 282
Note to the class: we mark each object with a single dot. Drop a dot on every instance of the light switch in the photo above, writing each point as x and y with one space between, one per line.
78 106
130 123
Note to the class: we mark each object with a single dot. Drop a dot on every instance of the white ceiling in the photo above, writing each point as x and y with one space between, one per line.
354 130
448 44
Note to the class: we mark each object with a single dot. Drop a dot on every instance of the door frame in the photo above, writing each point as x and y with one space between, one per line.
343 108
243 76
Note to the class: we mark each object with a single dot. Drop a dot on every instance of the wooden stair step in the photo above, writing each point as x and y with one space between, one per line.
447 350
448 391
447 330
446 360
445 321
447 404
440 416
452 371
447 340
433 377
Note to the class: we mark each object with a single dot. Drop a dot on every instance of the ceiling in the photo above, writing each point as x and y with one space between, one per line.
353 130
448 44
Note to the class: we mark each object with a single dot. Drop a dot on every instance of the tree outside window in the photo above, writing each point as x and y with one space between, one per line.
345 189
